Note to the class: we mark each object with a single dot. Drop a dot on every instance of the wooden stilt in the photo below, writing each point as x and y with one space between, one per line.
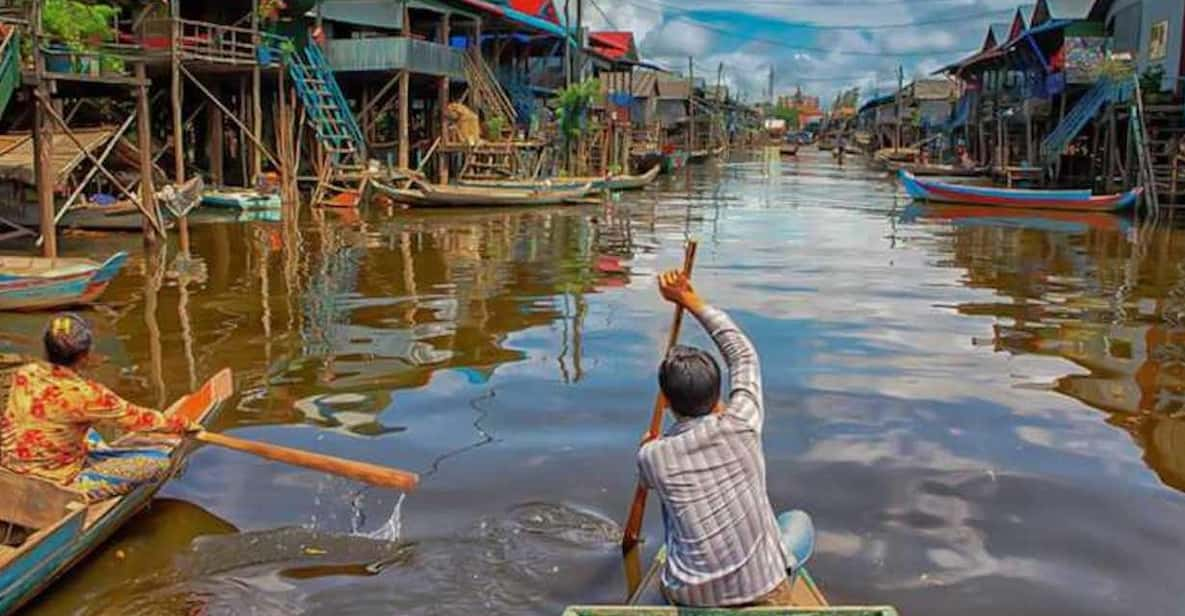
404 158
257 98
178 126
144 144
442 98
215 129
42 157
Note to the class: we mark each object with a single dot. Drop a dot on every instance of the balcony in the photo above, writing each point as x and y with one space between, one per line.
396 53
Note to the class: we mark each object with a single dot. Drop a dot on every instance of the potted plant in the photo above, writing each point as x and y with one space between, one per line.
76 30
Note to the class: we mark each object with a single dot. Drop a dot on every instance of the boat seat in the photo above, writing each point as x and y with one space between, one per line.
35 503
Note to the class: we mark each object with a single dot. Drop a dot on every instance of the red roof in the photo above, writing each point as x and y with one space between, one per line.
613 45
544 9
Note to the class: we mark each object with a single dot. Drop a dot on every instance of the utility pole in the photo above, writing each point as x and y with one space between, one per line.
690 105
579 40
900 87
567 48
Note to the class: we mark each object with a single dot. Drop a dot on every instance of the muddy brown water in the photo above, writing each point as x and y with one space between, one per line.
984 411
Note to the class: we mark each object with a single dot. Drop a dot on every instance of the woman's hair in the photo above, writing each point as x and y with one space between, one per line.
67 339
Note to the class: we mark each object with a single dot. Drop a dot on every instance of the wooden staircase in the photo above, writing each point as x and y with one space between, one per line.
328 111
1166 135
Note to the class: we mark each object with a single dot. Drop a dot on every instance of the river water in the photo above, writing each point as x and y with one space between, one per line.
983 411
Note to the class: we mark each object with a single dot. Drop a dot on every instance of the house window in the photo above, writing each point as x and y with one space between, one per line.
1158 41
1125 29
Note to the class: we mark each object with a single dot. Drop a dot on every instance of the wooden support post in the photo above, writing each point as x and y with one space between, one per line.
43 145
216 128
442 97
43 169
1028 132
178 125
690 136
404 159
144 144
257 96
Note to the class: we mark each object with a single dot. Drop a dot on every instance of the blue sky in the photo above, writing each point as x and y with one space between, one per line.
824 45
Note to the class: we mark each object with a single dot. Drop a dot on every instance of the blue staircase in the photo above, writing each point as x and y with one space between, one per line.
1087 107
326 106
10 67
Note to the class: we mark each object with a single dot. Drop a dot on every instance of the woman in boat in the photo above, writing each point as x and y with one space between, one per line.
47 426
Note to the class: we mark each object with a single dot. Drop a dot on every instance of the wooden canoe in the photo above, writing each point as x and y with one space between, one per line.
612 183
63 528
240 200
36 283
86 218
919 169
643 610
427 195
788 150
1081 200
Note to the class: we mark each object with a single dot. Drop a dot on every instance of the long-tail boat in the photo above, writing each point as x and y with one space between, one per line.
933 169
427 195
613 183
49 528
36 283
942 192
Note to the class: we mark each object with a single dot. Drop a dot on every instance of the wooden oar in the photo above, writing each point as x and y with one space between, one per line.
633 524
372 474
221 387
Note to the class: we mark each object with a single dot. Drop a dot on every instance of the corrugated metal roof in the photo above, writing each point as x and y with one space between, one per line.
374 13
1069 9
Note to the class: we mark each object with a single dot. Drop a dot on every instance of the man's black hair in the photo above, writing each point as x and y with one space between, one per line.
690 381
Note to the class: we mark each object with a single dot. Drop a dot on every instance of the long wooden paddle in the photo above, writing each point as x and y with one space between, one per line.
633 524
221 387
372 474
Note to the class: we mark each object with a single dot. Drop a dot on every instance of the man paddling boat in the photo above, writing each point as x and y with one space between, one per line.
47 426
725 546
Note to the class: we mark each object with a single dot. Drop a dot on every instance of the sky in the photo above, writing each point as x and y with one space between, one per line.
822 45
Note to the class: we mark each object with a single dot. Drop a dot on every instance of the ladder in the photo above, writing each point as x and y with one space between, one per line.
10 67
1077 119
326 107
1139 130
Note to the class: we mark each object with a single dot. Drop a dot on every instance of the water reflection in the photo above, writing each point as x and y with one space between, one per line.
929 375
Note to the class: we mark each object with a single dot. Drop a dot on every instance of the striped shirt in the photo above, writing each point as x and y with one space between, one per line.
723 543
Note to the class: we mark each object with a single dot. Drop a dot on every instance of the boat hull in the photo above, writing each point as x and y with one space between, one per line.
241 200
1079 200
615 183
58 549
74 286
460 197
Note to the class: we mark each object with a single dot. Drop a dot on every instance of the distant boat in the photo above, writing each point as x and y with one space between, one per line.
942 192
788 150
926 169
612 182
36 283
427 195
240 200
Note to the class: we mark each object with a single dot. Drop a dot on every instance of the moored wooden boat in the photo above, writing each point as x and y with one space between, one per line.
612 183
240 200
942 192
788 150
61 527
920 169
427 195
645 610
35 283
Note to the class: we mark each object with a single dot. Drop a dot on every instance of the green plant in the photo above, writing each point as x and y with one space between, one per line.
78 24
1152 82
494 127
1116 70
572 105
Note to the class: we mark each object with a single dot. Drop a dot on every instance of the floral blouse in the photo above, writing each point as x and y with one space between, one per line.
50 409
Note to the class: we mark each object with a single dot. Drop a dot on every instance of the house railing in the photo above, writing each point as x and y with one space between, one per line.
395 53
205 41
